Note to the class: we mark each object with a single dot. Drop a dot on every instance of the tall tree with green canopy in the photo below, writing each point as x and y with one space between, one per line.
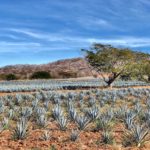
111 62
143 71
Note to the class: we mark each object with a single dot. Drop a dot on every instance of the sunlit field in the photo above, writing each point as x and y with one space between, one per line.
74 114
75 75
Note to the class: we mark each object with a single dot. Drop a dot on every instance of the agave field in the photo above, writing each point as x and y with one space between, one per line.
36 85
55 118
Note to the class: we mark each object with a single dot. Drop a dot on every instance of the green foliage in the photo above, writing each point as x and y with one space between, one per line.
40 75
2 77
113 61
53 147
140 70
10 77
103 124
107 138
144 70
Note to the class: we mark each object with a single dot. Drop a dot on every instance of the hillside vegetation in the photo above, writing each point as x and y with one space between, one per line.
68 68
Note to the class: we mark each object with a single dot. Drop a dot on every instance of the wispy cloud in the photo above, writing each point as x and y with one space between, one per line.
95 23
38 35
78 41
51 42
55 26
18 46
9 36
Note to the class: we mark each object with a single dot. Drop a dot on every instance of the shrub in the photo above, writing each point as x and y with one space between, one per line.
9 77
107 137
40 75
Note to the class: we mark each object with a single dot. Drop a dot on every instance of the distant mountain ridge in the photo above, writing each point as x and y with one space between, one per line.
75 67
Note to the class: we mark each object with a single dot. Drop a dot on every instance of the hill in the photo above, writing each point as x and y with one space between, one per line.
76 67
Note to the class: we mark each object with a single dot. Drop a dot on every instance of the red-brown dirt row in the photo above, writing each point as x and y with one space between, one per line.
88 140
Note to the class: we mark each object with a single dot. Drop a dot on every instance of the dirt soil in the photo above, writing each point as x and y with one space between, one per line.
60 140
89 140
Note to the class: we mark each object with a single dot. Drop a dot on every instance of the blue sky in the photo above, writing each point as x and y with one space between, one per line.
41 31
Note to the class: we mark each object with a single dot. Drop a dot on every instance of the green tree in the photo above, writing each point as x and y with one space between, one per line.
10 77
40 75
111 62
143 71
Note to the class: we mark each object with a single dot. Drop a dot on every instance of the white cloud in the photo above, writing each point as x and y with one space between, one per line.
123 41
63 41
94 22
38 35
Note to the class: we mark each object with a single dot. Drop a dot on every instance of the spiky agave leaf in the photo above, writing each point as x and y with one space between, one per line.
137 136
10 113
5 123
57 112
129 119
82 121
26 112
92 113
72 113
46 136
74 135
62 122
41 121
21 130
104 122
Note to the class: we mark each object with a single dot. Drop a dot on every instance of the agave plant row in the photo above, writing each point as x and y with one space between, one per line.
53 84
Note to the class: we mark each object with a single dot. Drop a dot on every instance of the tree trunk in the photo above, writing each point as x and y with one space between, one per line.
109 83
112 79
109 86
149 78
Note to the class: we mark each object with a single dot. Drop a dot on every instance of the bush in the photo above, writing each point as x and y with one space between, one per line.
10 77
126 77
40 75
